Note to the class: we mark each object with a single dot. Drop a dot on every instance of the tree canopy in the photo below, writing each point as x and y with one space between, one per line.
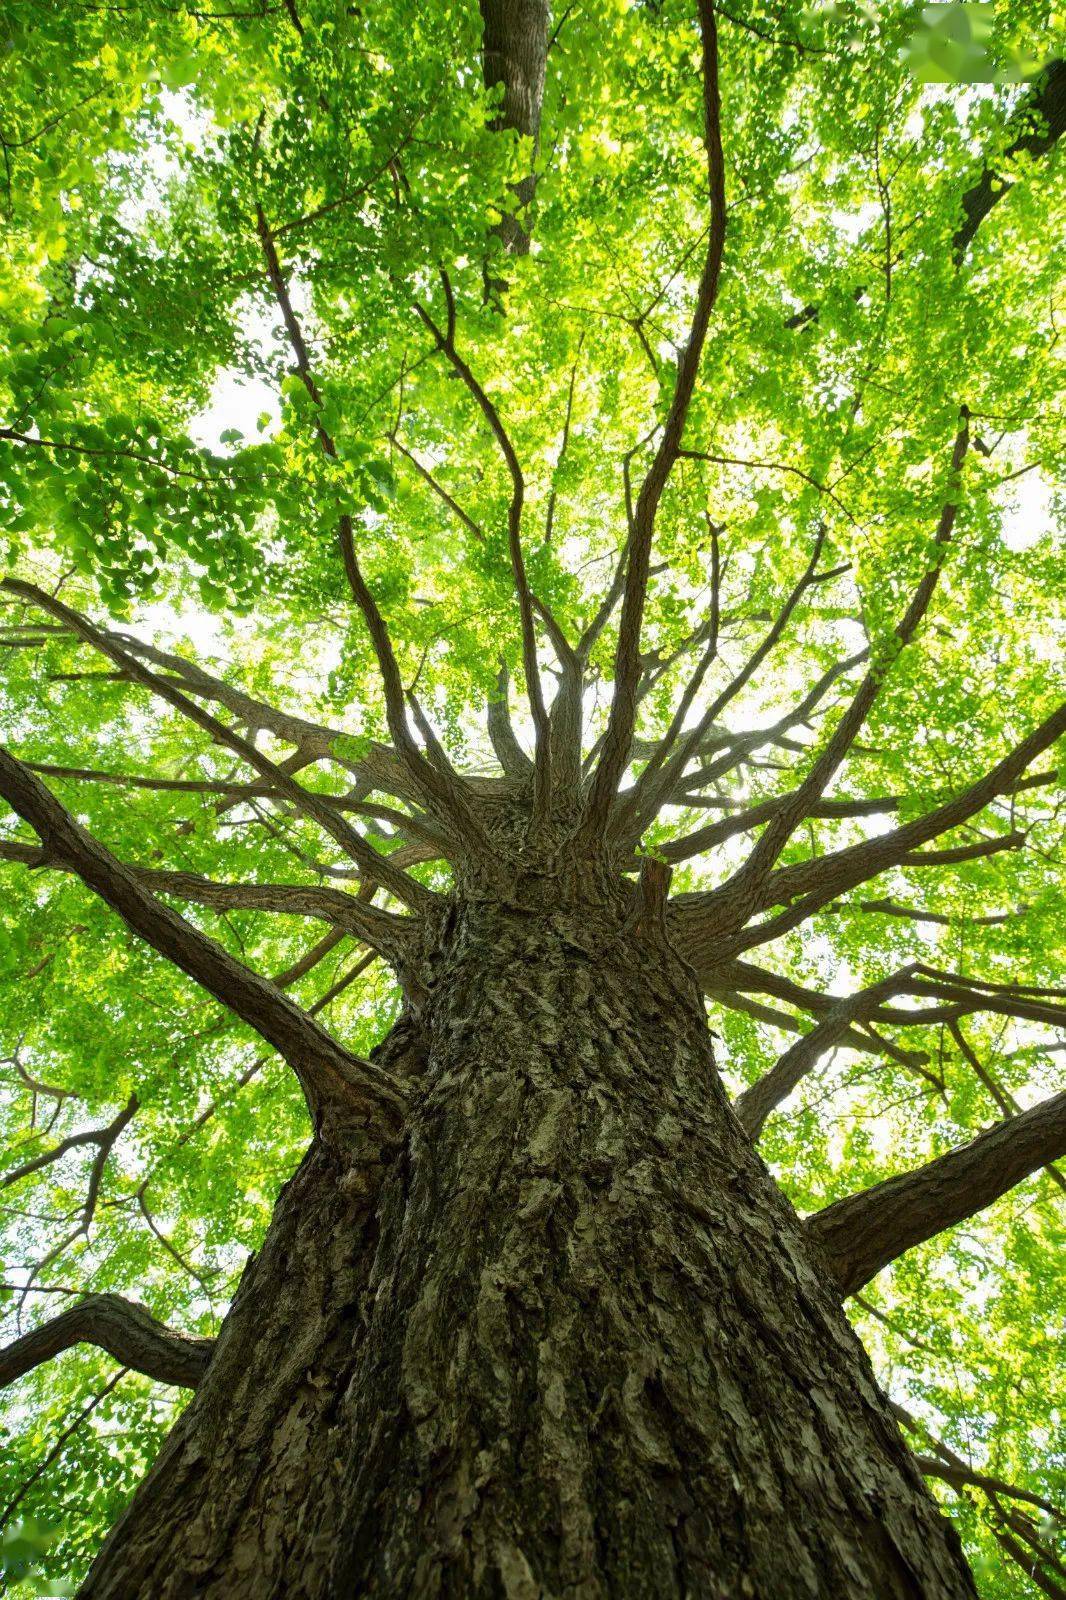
369 450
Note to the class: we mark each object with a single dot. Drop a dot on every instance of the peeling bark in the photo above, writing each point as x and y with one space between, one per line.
573 1341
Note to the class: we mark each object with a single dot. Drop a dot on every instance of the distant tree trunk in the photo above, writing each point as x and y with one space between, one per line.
514 54
576 1344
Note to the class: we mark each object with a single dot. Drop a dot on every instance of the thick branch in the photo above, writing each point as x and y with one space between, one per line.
855 1040
328 1073
374 865
863 1233
509 753
125 1330
827 877
960 1476
514 56
1045 115
403 821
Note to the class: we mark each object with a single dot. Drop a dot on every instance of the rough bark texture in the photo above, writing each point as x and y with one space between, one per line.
514 53
124 1329
576 1343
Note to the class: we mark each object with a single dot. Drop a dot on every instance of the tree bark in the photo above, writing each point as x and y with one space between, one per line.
124 1329
574 1341
514 52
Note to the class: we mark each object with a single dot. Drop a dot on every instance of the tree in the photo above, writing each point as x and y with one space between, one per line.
571 789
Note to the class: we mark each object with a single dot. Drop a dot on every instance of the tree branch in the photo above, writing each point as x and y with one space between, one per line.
384 933
730 906
748 816
1044 118
860 1235
435 783
827 877
960 1476
1004 1101
438 489
445 341
1046 115
755 1104
125 1330
672 773
615 752
509 753
104 1138
57 1449
376 866
328 1073
654 781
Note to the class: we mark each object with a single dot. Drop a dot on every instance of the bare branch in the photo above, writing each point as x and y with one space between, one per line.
125 1330
860 1235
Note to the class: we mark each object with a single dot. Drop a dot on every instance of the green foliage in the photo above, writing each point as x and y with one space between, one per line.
161 457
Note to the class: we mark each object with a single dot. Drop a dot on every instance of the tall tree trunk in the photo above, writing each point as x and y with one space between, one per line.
574 1344
514 53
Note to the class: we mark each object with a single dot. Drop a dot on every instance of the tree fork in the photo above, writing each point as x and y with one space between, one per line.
573 1339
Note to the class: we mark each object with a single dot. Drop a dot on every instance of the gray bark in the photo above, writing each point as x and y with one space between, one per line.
574 1340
